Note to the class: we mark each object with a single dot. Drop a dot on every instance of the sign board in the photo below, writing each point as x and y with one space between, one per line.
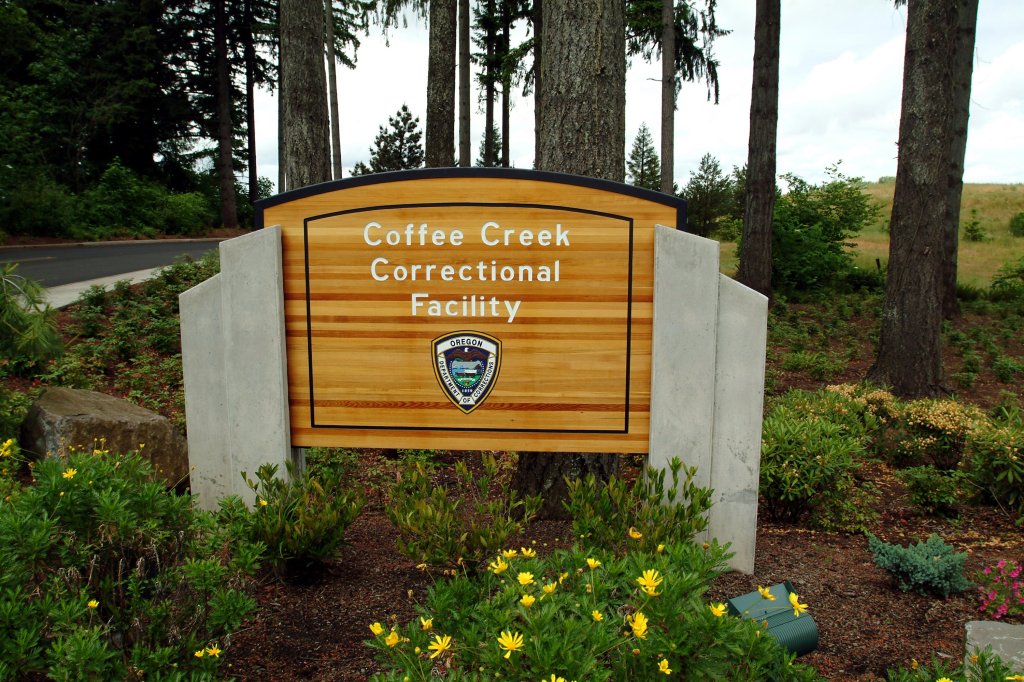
470 309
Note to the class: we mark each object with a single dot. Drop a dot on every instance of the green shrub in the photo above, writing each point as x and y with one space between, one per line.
108 576
29 324
981 666
300 521
578 616
929 567
14 405
931 490
818 365
35 204
1008 282
973 231
458 527
934 432
1017 224
1006 369
995 463
614 517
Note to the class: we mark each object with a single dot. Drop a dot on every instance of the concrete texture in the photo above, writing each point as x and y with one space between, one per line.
67 419
1005 639
237 391
708 387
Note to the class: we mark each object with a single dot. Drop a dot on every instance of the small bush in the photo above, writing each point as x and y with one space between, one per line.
818 365
1001 589
935 432
29 324
973 231
1008 282
617 518
14 405
933 491
459 527
981 666
929 567
995 463
1017 224
300 521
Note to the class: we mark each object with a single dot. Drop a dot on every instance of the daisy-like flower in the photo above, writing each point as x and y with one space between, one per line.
794 601
440 645
212 651
529 553
554 679
200 653
527 600
597 616
69 473
525 579
509 553
663 667
377 629
638 624
649 582
92 604
550 588
510 641
661 548
634 533
392 639
946 679
593 563
562 577
426 623
718 610
263 503
498 567
765 593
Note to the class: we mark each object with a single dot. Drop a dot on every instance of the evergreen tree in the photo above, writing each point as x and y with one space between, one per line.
396 147
643 167
708 195
495 158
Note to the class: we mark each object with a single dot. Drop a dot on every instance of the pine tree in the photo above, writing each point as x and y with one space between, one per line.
708 195
643 166
396 147
495 160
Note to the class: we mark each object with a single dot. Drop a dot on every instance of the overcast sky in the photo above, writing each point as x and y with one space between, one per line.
840 84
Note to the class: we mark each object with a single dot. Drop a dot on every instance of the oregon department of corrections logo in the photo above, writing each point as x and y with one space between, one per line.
466 364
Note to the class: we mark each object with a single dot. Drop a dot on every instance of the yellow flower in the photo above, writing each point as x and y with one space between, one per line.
427 623
718 610
663 667
377 629
794 601
638 623
392 639
509 642
528 553
766 593
527 600
593 563
661 548
92 604
1015 678
649 582
550 588
597 616
263 503
634 533
913 664
498 567
590 588
562 577
554 679
440 645
525 579
213 651
509 553
946 679
70 473
199 654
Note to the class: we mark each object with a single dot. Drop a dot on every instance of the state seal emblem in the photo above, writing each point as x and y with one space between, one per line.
466 364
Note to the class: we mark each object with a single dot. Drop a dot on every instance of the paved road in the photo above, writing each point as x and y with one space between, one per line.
53 266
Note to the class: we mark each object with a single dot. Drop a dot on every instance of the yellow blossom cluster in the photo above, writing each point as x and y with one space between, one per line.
949 418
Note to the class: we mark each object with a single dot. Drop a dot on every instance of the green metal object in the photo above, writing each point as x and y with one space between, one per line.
798 634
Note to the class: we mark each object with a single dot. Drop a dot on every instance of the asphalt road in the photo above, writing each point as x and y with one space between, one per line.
65 264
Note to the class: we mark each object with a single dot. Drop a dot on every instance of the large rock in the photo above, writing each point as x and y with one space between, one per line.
66 419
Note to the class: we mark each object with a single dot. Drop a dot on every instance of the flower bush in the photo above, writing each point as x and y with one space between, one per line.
936 432
995 463
578 615
1001 589
108 576
981 666
615 517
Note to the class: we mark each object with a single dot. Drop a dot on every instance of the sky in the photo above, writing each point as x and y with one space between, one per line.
840 82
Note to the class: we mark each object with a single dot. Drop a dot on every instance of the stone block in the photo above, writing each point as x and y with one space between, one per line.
66 419
1005 639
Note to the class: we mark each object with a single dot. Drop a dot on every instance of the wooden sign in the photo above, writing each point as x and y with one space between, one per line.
470 309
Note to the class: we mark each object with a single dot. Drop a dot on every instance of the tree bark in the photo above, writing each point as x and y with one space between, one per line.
465 139
909 352
249 51
963 69
282 115
440 145
668 95
306 135
489 89
332 87
538 90
755 269
582 131
506 83
225 129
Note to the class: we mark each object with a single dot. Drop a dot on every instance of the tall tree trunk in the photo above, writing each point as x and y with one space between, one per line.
963 69
282 115
668 96
307 139
332 87
489 89
225 130
538 90
584 67
249 52
465 140
440 146
756 256
506 82
909 352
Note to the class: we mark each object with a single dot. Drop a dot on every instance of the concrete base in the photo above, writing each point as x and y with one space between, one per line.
1005 639
706 402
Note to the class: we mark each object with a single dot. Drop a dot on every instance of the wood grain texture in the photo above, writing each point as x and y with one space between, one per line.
575 364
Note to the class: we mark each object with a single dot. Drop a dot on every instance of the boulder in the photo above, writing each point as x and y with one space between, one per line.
67 419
